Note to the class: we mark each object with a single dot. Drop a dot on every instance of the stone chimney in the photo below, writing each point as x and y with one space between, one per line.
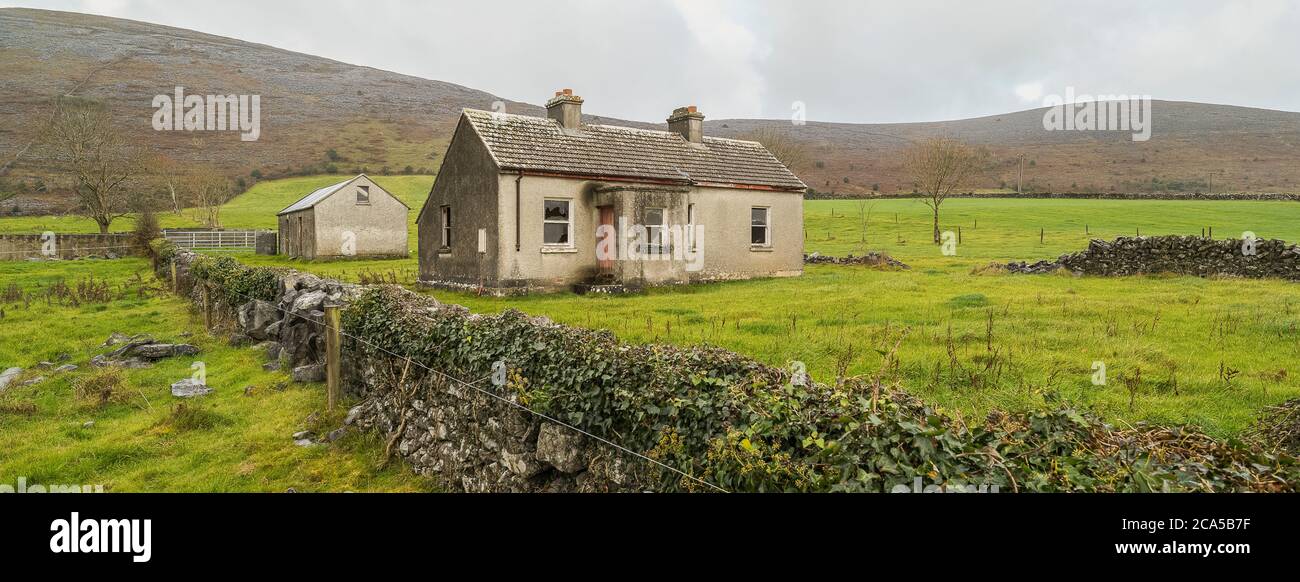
688 122
566 108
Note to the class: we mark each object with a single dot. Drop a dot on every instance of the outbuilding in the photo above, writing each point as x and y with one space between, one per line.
355 217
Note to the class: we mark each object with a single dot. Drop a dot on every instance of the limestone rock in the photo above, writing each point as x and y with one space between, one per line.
190 388
8 376
309 373
561 448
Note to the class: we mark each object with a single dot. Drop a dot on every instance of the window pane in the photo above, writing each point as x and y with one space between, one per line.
759 216
446 226
556 234
758 235
557 210
655 234
654 216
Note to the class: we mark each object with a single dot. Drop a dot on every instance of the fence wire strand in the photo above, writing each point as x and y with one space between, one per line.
490 394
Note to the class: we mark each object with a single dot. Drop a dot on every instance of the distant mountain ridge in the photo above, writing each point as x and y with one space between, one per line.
381 121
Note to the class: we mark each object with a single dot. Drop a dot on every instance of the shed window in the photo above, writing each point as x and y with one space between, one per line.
363 194
446 227
557 224
760 227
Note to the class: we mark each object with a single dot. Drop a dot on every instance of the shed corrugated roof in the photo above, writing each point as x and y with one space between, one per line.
312 199
520 142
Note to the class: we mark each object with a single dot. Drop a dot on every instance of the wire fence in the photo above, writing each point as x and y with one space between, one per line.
475 386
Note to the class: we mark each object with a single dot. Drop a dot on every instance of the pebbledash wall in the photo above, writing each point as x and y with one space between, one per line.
20 247
464 437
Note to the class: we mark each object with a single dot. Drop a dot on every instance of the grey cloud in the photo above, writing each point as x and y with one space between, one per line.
873 61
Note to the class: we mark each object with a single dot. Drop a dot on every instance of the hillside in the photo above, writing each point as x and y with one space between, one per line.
375 119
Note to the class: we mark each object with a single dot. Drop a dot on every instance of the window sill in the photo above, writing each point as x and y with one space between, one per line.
557 250
760 248
444 251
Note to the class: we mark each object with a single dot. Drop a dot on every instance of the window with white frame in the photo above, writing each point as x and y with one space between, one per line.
363 195
557 223
760 226
446 227
655 227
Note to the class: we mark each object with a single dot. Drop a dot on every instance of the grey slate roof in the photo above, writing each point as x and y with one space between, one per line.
520 142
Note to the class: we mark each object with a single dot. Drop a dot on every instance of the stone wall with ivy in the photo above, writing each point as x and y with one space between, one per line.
509 402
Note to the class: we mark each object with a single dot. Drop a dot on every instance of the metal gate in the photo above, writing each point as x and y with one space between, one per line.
217 240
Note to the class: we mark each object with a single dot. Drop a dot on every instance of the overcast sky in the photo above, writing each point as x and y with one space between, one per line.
845 60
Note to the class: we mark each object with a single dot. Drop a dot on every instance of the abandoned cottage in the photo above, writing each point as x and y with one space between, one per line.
531 203
355 217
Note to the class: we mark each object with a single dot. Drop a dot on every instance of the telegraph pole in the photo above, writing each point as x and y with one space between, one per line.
1212 173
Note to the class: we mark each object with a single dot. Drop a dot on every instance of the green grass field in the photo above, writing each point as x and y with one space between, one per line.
228 441
973 342
1177 349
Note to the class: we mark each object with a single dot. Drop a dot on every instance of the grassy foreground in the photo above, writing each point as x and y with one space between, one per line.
236 439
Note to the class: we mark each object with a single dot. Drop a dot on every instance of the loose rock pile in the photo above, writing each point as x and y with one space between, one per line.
872 259
1183 255
140 351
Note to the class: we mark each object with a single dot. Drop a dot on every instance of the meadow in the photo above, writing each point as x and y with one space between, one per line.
1212 352
1176 349
137 436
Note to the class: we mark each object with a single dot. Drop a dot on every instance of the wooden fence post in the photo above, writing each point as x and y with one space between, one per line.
207 309
333 357
176 284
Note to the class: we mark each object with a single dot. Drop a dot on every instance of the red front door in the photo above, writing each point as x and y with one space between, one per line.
606 220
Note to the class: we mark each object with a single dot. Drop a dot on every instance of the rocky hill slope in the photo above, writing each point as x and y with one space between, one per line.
377 120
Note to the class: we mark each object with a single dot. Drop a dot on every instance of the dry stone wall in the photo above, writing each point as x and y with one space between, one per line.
1184 255
19 247
467 438
718 419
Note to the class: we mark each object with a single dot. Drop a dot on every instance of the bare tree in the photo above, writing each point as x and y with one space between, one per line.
939 167
790 151
103 163
208 190
169 177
